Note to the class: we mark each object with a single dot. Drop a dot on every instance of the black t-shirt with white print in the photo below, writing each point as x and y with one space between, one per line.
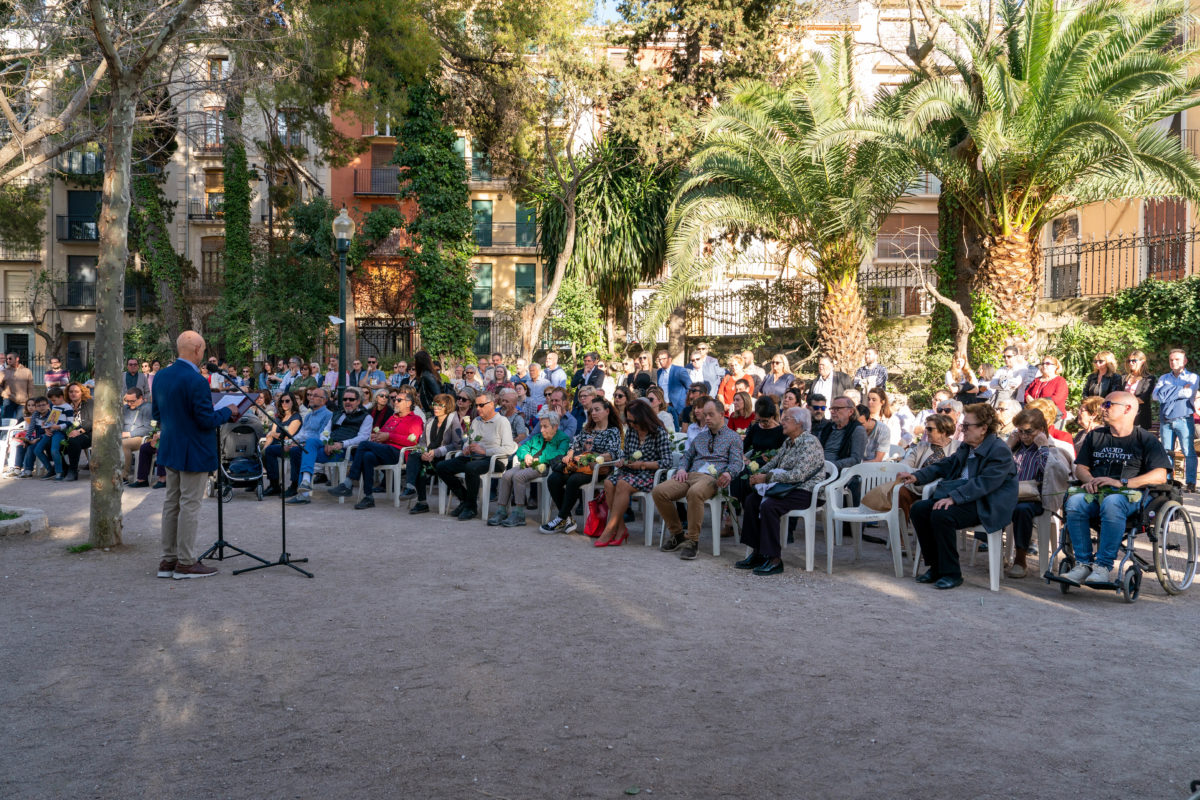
1109 456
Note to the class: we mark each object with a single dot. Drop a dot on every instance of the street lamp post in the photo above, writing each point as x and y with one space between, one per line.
343 232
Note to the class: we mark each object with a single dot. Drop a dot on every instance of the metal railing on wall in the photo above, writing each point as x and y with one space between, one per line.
1101 267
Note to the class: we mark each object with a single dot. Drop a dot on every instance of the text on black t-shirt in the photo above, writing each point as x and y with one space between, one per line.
1109 456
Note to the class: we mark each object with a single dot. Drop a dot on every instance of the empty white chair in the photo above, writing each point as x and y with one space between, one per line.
870 475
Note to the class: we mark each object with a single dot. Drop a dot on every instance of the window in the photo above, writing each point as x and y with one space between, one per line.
481 165
83 210
526 284
482 210
288 125
81 282
212 128
212 260
214 191
218 68
481 295
526 233
483 336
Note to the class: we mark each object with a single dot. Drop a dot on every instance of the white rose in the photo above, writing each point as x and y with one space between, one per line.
375 430
412 437
637 455
541 468
754 466
710 469
599 459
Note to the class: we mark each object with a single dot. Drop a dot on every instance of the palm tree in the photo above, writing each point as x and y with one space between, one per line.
754 179
620 236
1053 108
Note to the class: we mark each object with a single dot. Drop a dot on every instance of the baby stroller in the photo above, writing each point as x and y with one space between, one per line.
239 461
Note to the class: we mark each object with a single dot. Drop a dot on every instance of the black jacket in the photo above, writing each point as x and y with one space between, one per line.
842 383
851 450
1103 387
991 480
1144 392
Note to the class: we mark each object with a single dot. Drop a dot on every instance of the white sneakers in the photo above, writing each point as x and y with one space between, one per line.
1077 573
1089 574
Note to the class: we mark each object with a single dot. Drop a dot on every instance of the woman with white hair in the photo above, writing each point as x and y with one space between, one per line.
791 473
536 455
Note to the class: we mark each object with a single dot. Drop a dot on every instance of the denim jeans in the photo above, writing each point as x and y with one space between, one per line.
314 453
1183 430
1112 511
52 446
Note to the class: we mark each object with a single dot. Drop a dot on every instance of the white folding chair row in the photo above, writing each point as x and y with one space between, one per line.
894 453
715 505
870 475
393 475
8 427
808 520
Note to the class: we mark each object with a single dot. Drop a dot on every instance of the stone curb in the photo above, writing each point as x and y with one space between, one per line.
32 520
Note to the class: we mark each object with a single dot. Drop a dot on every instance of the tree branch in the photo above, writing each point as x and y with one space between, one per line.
99 16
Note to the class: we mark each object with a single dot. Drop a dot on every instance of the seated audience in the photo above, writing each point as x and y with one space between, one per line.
507 399
308 438
348 428
791 475
1050 412
1112 459
381 409
1049 384
741 413
536 456
647 449
986 495
443 434
937 443
490 435
710 462
817 405
1032 450
878 435
779 379
658 404
135 427
600 436
401 429
1090 417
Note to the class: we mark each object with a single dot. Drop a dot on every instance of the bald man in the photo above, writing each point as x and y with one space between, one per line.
1117 456
187 449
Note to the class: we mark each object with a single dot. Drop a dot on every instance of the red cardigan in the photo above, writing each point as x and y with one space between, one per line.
1054 390
399 429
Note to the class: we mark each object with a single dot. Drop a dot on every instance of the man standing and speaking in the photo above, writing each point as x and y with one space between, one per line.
187 449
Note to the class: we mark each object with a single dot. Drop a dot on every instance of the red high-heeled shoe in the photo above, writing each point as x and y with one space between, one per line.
620 539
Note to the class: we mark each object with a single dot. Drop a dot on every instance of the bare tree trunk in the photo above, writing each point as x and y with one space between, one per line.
533 316
677 332
106 458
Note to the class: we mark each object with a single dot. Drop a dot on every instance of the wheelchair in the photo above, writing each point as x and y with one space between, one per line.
1170 540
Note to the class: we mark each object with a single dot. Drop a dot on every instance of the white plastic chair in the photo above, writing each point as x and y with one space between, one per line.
894 453
336 471
393 474
808 518
870 475
485 486
543 490
7 428
716 506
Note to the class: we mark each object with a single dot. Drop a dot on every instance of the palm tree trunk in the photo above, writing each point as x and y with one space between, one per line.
1010 277
842 320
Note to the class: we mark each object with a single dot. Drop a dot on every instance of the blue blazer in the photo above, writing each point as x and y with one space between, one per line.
182 404
675 384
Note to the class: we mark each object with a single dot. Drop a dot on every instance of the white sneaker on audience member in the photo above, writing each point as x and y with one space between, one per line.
1077 574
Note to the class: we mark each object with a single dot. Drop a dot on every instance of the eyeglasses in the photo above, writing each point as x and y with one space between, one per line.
285 400
929 429
777 362
973 424
1026 431
1107 404
817 408
1132 360
349 399
464 399
943 409
843 408
484 404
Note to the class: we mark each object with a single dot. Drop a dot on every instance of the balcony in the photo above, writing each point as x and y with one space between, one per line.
377 181
518 237
75 294
206 210
921 247
926 185
479 173
15 311
143 296
76 228
80 162
11 252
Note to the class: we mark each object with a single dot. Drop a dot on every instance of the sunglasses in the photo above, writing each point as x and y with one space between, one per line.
973 425
929 428
464 399
484 404
1132 360
943 410
818 408
1026 431
1107 404
349 399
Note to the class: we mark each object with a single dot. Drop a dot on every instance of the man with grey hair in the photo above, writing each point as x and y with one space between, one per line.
291 375
952 409
507 399
490 435
538 384
590 375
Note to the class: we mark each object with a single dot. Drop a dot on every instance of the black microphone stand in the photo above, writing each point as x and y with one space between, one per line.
285 559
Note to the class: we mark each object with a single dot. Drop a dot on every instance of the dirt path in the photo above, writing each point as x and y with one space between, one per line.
436 659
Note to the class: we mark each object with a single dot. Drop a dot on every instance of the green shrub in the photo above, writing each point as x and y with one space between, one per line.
920 383
1168 313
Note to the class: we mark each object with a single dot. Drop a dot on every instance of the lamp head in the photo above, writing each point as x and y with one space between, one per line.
343 230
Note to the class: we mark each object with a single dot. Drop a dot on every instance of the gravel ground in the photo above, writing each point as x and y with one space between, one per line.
431 658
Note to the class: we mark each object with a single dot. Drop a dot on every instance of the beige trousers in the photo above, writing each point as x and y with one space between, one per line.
698 488
130 446
181 515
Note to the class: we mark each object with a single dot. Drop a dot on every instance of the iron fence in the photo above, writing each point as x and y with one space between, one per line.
893 292
15 311
506 234
1101 267
70 228
379 180
14 252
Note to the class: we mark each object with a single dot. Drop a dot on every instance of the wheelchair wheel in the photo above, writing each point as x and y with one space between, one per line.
1175 550
1065 566
1131 584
